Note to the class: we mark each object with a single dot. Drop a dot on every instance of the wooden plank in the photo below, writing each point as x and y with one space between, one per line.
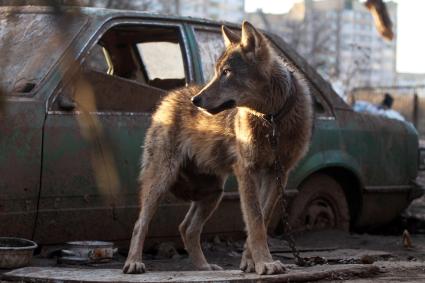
341 255
294 274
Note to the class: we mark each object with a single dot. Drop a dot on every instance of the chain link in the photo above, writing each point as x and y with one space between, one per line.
288 236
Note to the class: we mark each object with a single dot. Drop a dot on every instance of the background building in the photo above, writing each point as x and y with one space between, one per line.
410 79
225 10
338 38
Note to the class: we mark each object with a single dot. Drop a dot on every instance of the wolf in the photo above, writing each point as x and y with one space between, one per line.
200 135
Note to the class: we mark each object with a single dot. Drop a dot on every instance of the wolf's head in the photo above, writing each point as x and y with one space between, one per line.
241 72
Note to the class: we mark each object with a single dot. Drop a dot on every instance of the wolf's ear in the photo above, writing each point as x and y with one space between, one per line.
229 36
251 40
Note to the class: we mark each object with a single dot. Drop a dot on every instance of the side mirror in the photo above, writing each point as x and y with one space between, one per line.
66 103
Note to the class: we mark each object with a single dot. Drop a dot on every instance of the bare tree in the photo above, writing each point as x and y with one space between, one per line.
142 5
312 38
320 43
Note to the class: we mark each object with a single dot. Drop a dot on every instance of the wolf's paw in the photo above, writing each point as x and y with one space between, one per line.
247 264
134 267
211 267
274 267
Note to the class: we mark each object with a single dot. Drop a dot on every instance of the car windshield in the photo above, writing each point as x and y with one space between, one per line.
31 43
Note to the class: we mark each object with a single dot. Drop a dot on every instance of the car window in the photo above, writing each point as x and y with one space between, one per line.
131 67
210 45
170 66
151 55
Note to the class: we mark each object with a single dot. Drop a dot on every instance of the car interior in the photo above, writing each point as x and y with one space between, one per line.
141 63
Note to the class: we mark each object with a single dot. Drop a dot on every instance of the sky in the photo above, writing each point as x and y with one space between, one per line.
410 29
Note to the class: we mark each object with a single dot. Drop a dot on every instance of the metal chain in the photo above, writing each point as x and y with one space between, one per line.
289 238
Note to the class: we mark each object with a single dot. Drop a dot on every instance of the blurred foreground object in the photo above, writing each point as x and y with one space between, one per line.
379 12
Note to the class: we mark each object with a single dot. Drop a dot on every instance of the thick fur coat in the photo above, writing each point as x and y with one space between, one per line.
200 135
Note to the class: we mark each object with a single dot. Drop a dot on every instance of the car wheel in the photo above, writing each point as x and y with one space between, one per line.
320 204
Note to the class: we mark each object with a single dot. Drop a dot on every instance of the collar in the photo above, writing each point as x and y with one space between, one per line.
289 103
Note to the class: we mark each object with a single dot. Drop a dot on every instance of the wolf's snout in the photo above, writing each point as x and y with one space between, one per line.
196 100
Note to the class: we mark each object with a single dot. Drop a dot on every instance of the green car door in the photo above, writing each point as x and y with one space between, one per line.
91 156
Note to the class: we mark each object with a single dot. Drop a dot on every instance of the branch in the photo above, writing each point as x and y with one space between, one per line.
380 15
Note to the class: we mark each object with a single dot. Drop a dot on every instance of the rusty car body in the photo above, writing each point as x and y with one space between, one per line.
50 189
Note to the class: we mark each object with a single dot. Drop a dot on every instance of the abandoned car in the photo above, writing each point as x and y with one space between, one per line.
69 170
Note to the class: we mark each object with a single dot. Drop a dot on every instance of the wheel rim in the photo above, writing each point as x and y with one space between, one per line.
319 214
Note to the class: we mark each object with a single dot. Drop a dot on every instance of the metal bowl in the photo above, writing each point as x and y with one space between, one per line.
88 252
15 252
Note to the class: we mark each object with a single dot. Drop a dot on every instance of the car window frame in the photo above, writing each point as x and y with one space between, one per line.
94 39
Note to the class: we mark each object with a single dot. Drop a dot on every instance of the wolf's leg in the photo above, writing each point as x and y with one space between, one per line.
248 181
269 196
157 177
186 221
192 226
191 229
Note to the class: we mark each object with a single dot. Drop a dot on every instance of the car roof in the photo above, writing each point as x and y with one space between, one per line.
104 13
100 15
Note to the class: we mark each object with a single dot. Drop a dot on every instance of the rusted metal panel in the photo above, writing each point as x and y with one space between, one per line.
71 202
32 48
380 147
381 207
33 42
20 163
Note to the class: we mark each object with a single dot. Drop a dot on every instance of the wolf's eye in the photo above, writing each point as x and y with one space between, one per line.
226 72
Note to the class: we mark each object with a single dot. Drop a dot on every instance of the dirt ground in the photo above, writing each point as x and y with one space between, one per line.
385 249
396 262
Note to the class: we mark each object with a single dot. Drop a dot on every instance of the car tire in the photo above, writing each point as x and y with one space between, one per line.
320 204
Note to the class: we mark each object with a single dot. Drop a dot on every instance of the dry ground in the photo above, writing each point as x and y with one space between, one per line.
397 263
385 250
